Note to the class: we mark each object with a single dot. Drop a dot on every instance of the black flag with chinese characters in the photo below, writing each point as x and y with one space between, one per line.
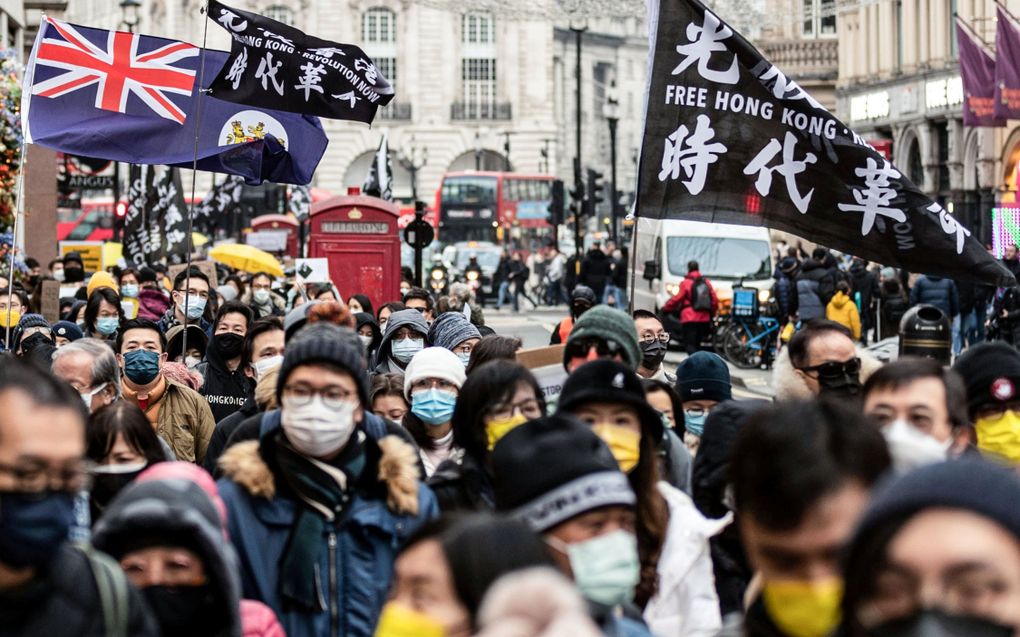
273 65
172 212
379 181
220 200
729 138
141 247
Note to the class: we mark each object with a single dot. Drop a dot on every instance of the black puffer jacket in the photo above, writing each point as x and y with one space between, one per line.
463 486
709 482
596 271
225 390
65 601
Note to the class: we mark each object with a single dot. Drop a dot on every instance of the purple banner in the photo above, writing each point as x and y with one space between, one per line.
977 68
1007 67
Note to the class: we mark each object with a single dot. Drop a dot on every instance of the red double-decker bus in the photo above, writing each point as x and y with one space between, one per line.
509 209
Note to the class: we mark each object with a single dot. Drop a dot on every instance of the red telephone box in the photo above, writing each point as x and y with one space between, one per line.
359 236
275 233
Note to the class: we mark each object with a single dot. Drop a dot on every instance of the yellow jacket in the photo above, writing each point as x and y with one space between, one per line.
843 310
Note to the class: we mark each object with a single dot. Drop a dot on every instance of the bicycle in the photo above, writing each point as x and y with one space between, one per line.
751 343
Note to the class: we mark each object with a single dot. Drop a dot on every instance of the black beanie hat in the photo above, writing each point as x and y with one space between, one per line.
703 376
330 344
607 381
991 372
552 469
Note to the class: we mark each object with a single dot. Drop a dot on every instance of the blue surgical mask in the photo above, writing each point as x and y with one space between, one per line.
141 366
405 349
695 424
107 325
33 526
129 291
196 306
606 568
464 358
433 406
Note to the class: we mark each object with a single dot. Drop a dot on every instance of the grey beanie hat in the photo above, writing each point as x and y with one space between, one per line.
608 324
451 329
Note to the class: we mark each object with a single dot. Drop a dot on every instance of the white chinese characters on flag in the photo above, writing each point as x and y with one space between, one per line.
729 138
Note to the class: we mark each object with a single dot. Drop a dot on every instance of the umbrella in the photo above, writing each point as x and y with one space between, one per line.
247 258
198 239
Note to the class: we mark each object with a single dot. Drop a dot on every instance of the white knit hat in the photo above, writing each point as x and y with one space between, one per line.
434 362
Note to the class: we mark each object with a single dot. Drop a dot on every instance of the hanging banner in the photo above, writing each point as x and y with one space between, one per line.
141 194
172 212
729 138
977 70
1007 66
273 65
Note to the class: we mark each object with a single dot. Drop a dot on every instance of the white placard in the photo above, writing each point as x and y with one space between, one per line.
268 240
319 270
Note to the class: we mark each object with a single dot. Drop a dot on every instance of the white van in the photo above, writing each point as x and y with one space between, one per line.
725 253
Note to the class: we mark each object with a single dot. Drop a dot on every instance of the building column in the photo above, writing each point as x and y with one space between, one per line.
955 160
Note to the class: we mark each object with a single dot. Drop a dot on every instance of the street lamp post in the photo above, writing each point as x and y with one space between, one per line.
413 161
478 151
128 21
611 111
578 183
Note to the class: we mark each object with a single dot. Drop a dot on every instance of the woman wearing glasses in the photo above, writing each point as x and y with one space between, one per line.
497 397
320 503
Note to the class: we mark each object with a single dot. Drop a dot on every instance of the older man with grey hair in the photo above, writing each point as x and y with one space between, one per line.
90 366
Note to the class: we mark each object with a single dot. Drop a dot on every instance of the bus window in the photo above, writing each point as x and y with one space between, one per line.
469 190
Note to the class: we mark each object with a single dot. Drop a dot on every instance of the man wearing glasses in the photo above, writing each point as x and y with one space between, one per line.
47 587
602 332
653 340
189 297
825 363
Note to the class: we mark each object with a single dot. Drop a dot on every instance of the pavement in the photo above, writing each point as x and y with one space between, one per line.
534 325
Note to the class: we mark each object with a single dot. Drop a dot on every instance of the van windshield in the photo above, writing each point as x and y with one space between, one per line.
720 257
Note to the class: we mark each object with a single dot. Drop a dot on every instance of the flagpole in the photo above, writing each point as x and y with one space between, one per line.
1002 5
194 173
19 208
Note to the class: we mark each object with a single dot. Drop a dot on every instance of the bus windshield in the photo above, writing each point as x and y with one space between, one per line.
720 257
469 190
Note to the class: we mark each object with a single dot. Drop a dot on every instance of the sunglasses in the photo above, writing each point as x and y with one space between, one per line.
581 347
835 369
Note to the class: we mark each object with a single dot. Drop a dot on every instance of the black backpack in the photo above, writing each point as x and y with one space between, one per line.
701 295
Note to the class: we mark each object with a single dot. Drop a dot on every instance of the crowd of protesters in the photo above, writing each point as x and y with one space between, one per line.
262 457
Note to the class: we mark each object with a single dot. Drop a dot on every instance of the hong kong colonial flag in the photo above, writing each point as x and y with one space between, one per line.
135 98
273 65
729 138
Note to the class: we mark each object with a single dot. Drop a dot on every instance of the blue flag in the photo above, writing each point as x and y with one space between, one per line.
134 98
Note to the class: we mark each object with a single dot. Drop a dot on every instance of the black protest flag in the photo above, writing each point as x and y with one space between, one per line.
273 65
220 200
172 213
729 138
379 181
141 195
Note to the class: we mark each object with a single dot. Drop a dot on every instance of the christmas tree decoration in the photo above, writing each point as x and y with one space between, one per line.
11 138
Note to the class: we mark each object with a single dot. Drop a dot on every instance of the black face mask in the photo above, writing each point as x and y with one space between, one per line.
181 610
228 345
34 341
842 386
107 485
933 623
652 354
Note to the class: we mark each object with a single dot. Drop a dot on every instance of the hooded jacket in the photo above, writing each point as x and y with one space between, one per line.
184 421
152 304
411 318
181 511
809 297
277 305
388 504
788 385
843 310
937 291
225 390
682 301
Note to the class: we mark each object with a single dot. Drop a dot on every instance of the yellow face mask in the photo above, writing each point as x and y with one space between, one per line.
399 621
804 609
15 317
624 443
1000 436
496 429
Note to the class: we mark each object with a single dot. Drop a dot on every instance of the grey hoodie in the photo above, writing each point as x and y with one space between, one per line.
410 318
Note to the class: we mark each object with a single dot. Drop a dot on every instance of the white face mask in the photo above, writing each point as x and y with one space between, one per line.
365 340
260 367
911 448
192 361
58 275
316 430
86 396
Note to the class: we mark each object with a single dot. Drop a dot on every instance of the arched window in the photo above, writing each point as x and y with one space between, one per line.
280 13
378 26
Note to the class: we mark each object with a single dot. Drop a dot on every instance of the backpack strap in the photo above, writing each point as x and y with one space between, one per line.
113 591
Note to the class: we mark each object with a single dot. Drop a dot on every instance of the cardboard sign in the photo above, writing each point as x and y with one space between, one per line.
91 253
50 301
312 270
207 268
546 363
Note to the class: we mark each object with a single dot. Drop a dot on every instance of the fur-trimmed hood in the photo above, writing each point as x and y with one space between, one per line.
788 385
396 471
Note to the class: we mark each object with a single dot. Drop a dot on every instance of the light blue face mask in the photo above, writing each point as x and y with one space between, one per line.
129 291
196 306
107 325
606 568
433 406
695 424
405 349
464 358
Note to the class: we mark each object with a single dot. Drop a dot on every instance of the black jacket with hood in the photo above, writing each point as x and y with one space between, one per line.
225 390
411 318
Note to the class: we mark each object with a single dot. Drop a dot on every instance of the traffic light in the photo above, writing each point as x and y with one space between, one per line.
121 209
595 190
556 204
